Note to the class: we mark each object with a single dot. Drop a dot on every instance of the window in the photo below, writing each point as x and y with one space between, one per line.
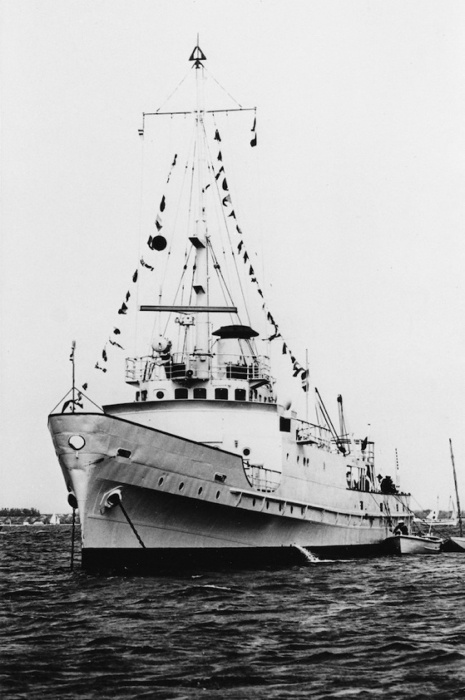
123 453
284 424
181 394
240 395
200 393
160 394
143 395
221 394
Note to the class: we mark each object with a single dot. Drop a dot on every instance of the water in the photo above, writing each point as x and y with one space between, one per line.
385 628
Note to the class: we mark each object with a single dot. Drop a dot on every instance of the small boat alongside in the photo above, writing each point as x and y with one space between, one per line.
413 544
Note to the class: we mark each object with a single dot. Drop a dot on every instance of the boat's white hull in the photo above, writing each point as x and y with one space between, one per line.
413 544
181 499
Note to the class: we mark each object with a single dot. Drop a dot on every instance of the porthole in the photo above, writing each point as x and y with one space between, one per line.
160 481
217 494
181 485
160 394
267 505
246 451
77 442
253 502
200 490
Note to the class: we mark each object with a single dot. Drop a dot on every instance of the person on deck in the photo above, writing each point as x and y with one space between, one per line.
401 528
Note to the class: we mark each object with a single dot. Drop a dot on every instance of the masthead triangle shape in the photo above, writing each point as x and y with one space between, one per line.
197 55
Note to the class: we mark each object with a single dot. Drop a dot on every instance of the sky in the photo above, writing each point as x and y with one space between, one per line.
354 200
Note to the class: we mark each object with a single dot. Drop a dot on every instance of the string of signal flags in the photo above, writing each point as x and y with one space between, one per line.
158 243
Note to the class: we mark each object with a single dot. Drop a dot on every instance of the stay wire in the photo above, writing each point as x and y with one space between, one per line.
224 89
238 276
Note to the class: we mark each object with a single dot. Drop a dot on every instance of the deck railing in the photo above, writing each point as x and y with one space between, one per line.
260 478
311 434
182 366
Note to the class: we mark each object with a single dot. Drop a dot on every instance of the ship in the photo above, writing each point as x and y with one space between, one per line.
207 464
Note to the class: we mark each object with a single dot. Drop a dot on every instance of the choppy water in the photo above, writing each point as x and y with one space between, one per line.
385 628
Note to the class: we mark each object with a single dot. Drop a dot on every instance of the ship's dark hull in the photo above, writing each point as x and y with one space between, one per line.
165 561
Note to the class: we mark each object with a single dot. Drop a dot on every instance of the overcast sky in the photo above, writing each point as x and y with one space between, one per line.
356 203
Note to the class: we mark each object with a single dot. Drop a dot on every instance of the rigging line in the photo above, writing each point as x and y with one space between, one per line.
224 287
264 305
174 228
224 89
227 230
169 96
187 250
139 257
178 209
223 284
180 285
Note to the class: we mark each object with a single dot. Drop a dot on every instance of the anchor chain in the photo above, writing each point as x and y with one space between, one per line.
72 539
120 503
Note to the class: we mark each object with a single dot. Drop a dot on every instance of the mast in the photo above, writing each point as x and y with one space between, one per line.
459 512
73 376
200 240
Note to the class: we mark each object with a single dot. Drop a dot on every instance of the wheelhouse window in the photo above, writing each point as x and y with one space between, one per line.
240 395
200 393
284 424
181 394
221 394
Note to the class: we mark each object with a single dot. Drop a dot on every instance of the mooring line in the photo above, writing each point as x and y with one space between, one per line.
120 503
72 539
